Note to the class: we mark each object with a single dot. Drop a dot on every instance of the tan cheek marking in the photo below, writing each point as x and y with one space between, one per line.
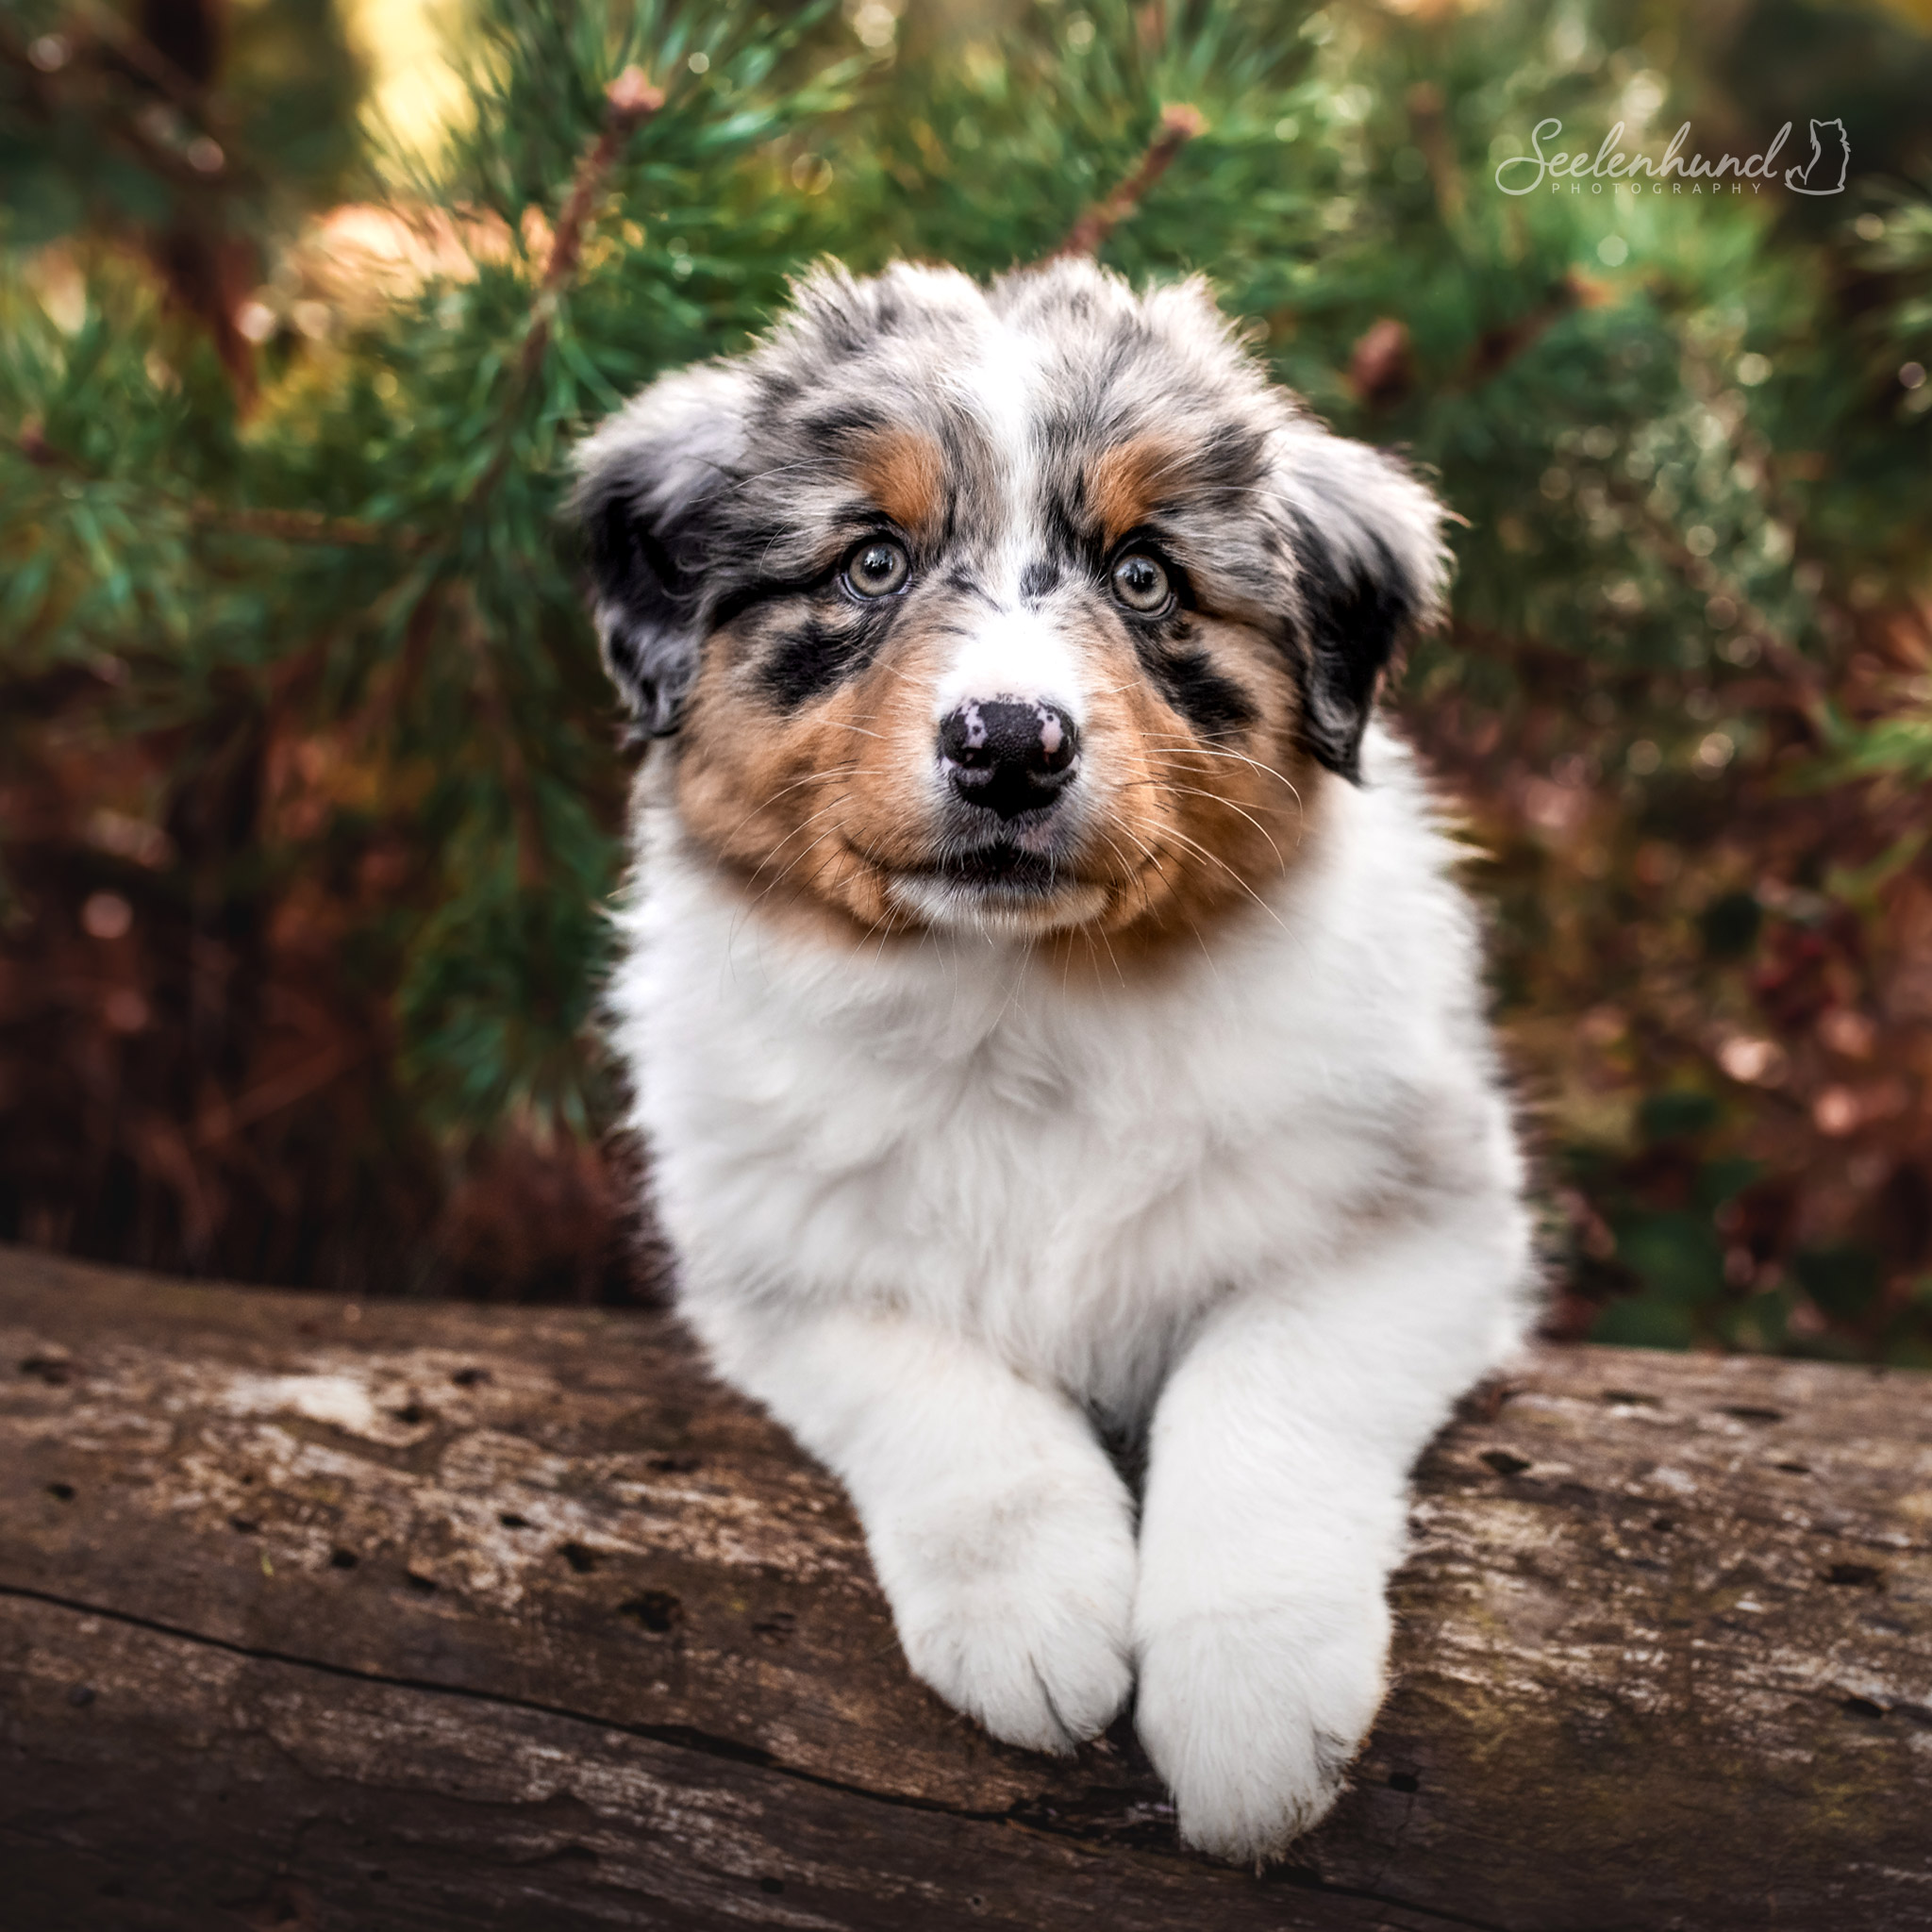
904 473
742 769
1223 819
801 810
1126 481
887 713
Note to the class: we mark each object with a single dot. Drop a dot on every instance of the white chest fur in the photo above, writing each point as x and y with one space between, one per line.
937 1203
1070 1172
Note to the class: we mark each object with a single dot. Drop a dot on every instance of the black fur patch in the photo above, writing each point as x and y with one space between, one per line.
1353 615
1070 533
653 578
814 656
1214 704
845 423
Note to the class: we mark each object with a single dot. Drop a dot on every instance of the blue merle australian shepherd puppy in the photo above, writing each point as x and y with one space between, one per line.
1048 1001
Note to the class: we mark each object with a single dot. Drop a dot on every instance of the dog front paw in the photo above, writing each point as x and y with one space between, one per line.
1019 1612
1253 1716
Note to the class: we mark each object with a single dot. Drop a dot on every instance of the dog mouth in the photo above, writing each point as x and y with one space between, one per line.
1001 869
999 887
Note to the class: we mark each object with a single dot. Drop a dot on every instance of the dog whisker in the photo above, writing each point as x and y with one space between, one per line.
810 778
1214 751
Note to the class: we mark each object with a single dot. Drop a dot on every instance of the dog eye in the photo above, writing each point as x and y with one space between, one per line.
877 568
1140 584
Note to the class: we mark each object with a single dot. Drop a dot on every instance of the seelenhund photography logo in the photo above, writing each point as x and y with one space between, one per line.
1781 163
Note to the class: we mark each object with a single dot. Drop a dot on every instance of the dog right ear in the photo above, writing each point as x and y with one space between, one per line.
652 482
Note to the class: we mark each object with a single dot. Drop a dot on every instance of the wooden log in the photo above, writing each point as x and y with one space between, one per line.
408 1616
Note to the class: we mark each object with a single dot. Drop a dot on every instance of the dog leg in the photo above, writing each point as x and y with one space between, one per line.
1001 1533
1275 1510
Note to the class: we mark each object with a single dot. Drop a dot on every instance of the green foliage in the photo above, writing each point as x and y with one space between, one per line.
294 663
97 123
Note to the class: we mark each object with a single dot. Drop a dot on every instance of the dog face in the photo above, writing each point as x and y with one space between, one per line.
1033 608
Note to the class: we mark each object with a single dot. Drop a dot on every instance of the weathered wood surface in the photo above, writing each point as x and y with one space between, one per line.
409 1617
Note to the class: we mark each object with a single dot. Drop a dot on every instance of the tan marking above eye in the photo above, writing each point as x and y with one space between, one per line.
1127 482
904 474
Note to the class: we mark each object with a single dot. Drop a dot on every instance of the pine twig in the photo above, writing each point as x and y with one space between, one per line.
532 869
222 1119
1428 118
1801 680
140 53
288 525
1496 348
302 526
120 123
32 443
630 100
1180 124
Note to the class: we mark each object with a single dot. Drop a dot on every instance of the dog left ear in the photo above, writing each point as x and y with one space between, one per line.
1370 569
653 482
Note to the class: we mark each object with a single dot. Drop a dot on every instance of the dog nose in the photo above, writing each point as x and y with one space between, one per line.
1010 755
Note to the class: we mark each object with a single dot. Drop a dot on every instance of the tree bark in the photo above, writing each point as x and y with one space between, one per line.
400 1616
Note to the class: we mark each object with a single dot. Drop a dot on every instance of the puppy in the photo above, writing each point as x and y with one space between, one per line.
1047 998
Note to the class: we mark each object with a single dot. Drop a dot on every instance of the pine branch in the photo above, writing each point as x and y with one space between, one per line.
222 1119
1496 348
153 65
212 170
1180 124
1804 683
303 526
1428 118
288 525
532 869
630 101
1381 367
195 245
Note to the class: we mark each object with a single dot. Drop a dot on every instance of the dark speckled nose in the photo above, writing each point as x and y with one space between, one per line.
1010 755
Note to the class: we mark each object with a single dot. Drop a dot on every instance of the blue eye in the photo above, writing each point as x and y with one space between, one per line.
877 568
1140 584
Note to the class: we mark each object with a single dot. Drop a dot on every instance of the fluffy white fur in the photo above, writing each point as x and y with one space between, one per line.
943 1212
956 1215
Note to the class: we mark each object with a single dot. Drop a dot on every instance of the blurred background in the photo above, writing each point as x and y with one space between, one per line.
310 787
